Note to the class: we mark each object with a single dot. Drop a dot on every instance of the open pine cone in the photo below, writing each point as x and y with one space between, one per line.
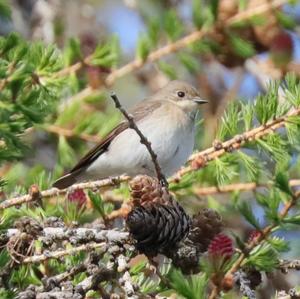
157 222
145 189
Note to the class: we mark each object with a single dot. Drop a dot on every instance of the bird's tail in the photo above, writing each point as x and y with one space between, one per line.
65 181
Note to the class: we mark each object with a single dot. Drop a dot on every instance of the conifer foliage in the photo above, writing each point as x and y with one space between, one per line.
218 230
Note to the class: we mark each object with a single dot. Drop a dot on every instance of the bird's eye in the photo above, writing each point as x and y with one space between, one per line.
181 94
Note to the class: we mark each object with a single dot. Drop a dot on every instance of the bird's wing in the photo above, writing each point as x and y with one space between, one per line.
138 113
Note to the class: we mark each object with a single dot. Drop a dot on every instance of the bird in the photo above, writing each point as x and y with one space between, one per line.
167 119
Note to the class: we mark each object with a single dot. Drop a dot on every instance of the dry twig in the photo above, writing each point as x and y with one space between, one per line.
60 253
95 185
204 191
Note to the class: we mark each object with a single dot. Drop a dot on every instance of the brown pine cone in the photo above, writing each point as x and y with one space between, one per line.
205 226
158 227
266 32
145 189
227 9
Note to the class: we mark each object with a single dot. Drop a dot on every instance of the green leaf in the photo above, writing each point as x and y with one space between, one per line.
246 210
230 121
153 30
168 70
251 165
224 170
190 62
66 153
191 287
97 202
247 115
197 11
292 132
214 5
266 105
72 52
292 90
241 47
8 43
263 258
279 244
106 54
282 182
173 25
295 219
5 11
275 146
143 47
288 22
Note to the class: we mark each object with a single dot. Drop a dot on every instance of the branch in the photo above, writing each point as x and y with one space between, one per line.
60 253
291 294
258 10
204 191
71 69
160 176
70 133
200 159
286 265
75 234
95 185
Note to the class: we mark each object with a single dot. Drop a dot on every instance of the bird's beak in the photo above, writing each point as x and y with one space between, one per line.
199 101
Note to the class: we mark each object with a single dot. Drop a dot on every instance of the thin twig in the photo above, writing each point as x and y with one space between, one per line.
80 234
70 133
286 265
71 69
60 253
204 191
94 185
258 10
160 176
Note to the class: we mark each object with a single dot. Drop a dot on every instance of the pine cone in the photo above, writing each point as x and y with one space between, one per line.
145 189
205 226
265 33
158 227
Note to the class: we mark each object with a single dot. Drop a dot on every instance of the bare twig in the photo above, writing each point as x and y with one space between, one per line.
70 133
286 265
74 67
160 176
60 253
204 191
291 294
155 55
258 10
75 234
95 185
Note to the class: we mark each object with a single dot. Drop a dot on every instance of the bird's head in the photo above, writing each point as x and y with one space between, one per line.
182 94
